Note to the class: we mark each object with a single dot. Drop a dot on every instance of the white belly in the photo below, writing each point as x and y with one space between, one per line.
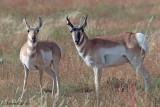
114 60
47 57
44 61
113 56
107 57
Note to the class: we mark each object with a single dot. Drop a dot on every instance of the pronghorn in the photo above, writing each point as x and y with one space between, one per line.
40 55
103 52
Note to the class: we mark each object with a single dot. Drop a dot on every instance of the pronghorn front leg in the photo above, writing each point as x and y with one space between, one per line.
97 78
40 80
25 80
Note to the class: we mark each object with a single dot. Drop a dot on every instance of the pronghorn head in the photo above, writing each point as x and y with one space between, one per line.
32 31
77 31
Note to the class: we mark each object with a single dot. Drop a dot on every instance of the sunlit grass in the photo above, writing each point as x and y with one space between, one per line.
120 85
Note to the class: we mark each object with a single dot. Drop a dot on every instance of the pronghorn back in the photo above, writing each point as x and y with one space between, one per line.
129 40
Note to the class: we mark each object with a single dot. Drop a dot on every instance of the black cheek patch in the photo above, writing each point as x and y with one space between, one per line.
78 36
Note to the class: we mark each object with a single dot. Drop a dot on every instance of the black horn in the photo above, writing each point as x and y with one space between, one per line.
69 24
84 23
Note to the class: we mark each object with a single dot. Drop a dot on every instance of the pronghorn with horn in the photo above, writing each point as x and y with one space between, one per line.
103 52
40 55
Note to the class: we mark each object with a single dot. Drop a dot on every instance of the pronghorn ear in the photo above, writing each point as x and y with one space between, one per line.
40 23
26 24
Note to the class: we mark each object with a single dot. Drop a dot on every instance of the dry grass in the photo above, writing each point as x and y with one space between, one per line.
121 86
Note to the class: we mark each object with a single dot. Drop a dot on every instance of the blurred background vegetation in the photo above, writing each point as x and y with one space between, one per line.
121 86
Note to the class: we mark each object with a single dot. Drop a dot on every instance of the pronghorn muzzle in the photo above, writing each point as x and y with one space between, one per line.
34 39
77 38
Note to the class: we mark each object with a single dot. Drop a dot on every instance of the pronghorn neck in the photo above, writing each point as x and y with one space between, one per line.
81 48
31 48
83 40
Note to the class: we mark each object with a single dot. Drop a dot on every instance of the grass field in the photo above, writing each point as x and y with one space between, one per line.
121 86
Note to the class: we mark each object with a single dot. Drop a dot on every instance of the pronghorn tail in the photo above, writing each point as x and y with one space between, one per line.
142 41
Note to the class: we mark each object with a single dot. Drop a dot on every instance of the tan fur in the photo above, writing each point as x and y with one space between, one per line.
134 53
40 55
126 39
45 46
103 52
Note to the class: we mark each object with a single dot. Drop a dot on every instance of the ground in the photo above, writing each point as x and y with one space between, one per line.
121 86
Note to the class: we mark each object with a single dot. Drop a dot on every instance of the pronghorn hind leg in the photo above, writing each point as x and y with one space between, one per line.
137 64
57 85
26 70
52 75
146 78
40 80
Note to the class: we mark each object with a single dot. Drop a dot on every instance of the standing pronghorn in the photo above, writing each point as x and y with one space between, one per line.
101 52
40 55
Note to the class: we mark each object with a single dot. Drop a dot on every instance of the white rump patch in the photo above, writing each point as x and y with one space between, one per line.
142 41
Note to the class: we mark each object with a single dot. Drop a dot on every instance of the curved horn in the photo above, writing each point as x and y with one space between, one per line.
84 24
26 24
40 23
69 24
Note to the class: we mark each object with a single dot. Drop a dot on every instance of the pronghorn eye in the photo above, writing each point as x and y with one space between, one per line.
28 31
82 30
71 31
